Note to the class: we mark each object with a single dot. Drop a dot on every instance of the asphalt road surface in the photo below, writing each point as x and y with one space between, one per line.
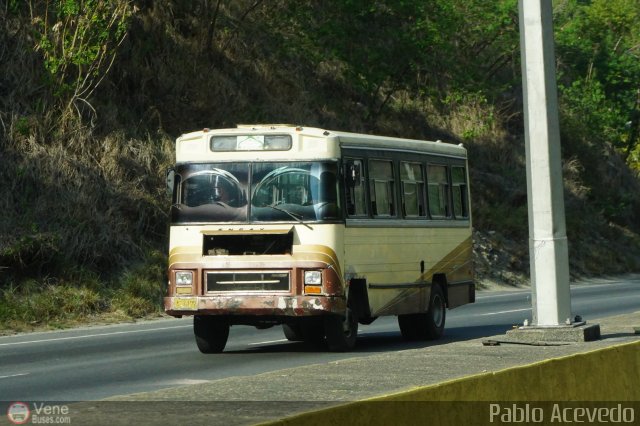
97 362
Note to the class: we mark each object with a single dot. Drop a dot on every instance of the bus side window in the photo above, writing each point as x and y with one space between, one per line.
381 186
459 189
355 189
412 189
438 191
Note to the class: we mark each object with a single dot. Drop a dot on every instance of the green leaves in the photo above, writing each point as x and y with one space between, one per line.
69 8
424 48
598 49
78 40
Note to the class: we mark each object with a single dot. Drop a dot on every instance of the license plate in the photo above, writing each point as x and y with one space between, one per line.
185 304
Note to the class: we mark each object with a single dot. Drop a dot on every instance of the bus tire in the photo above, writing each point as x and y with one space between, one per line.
292 332
312 331
341 332
429 325
211 333
409 326
436 315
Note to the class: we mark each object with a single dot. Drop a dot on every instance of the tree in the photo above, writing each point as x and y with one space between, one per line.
598 45
426 48
78 40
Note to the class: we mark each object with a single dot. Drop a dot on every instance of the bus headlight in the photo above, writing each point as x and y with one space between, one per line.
312 277
184 278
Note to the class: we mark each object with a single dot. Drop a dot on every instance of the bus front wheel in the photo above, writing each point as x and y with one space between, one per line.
211 333
341 331
293 332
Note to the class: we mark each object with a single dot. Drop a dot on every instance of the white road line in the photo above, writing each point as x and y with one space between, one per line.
505 312
270 341
14 375
93 335
495 296
486 294
623 297
183 382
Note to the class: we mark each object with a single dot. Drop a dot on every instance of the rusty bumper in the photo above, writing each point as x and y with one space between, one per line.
258 305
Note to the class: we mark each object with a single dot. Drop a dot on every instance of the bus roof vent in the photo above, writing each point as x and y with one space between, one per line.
258 126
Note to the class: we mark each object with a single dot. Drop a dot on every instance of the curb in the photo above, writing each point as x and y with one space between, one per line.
581 380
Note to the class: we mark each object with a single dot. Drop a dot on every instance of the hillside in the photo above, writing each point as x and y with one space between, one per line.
93 93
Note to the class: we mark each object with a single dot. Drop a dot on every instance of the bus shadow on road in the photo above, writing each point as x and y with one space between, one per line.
383 341
386 341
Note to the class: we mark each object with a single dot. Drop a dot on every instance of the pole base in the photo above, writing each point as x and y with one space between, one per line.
571 333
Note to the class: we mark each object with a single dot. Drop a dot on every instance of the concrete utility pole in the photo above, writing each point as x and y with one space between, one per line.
548 250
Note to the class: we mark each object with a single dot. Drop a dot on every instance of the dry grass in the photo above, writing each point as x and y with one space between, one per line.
46 303
86 201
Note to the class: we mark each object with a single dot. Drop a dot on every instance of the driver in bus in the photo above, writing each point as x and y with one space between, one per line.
298 195
220 192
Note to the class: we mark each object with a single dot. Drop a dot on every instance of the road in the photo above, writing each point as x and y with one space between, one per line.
97 362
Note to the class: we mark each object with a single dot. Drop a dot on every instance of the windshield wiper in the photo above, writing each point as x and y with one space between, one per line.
293 215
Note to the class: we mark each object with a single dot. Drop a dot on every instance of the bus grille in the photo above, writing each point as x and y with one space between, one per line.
247 281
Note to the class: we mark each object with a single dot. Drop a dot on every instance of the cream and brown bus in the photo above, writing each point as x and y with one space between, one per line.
317 230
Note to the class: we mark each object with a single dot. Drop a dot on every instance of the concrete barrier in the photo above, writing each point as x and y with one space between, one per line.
580 387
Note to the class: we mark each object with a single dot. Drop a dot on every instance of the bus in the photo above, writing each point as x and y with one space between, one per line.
316 231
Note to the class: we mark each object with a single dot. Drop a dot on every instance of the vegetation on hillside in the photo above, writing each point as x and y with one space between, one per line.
93 92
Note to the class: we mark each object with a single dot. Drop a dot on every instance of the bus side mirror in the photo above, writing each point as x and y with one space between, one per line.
353 174
171 179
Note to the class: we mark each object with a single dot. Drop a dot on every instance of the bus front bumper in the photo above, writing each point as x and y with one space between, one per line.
258 305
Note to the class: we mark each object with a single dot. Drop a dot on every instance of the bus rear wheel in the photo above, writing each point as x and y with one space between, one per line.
211 333
429 325
341 332
437 314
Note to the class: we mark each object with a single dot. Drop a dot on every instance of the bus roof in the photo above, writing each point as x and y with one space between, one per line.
344 139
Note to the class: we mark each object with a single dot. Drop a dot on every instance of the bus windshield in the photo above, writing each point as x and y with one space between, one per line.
256 192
